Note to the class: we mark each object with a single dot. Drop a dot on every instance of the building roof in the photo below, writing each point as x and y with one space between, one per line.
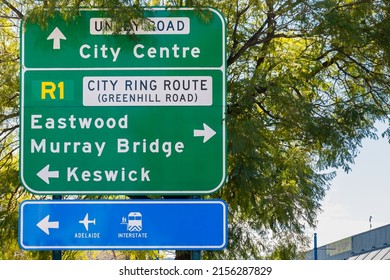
370 245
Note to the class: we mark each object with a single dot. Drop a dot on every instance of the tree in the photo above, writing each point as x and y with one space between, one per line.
307 80
9 188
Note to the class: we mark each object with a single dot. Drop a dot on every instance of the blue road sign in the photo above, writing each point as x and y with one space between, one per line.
123 224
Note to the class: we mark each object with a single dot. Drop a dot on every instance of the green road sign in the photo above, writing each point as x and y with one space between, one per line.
106 112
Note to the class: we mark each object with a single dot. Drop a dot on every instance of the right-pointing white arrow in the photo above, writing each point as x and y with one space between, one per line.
206 133
45 225
45 174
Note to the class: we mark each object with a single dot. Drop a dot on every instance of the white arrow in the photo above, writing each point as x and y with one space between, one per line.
206 133
56 35
45 174
45 225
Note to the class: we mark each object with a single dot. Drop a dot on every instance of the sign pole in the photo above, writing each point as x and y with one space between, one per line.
57 254
195 254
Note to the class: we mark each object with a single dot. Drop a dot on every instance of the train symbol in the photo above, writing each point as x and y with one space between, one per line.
134 221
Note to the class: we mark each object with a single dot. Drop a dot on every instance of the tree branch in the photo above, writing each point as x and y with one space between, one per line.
236 24
251 42
14 9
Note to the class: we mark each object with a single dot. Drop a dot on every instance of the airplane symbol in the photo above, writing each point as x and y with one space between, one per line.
86 222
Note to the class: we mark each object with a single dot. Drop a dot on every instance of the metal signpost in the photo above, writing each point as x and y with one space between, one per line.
118 113
126 224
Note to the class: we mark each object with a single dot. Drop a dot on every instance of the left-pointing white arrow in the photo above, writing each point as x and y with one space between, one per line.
45 225
45 174
56 35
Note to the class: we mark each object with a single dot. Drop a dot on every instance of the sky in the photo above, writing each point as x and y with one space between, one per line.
358 194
